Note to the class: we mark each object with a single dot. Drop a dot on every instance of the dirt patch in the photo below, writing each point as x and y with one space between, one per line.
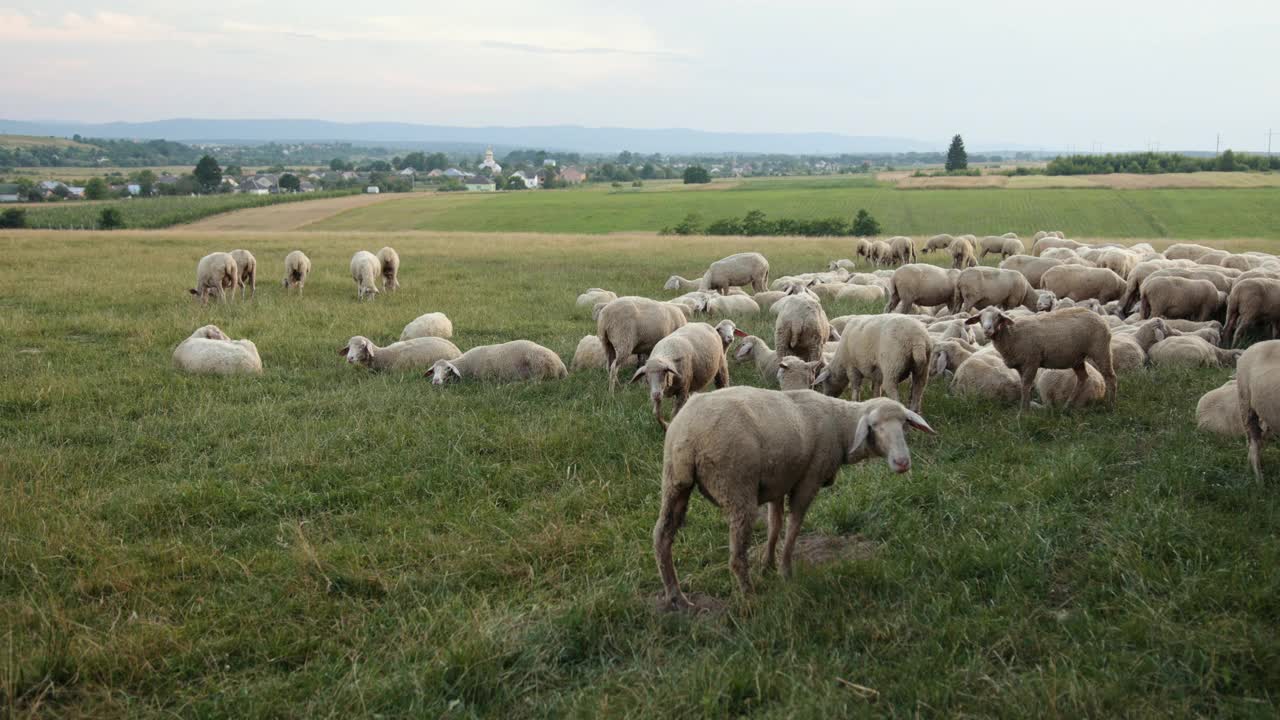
287 216
953 182
814 549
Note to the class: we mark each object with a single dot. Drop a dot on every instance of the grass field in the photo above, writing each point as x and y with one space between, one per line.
290 216
1101 212
160 212
321 541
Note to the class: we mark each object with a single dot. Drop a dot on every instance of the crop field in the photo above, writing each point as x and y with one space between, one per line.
321 541
1095 212
158 212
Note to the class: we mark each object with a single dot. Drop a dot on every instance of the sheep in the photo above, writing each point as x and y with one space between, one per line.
1137 276
860 293
744 447
682 362
417 353
1032 268
365 269
675 282
902 249
632 326
962 254
766 299
1011 247
1252 301
208 351
749 268
1190 351
1259 396
796 374
1060 388
842 264
517 360
1045 243
1129 348
801 328
980 287
1213 258
881 252
434 324
296 268
990 244
592 296
722 305
1219 411
1121 262
215 273
984 374
1056 340
248 266
757 351
921 284
862 248
389 267
938 242
891 346
1174 297
1079 283
1186 251
1064 254
589 355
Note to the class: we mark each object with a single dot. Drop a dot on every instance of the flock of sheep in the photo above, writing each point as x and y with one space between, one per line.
1063 321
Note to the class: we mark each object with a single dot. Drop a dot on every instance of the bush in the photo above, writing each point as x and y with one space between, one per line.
13 218
110 219
696 175
864 225
725 226
637 183
690 225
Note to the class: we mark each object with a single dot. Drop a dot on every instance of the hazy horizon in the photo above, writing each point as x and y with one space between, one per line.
1091 76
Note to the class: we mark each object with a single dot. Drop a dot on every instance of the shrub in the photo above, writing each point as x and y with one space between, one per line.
13 218
725 226
110 219
690 225
864 225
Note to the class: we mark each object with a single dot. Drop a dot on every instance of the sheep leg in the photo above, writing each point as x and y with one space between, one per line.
722 375
1082 385
1253 429
889 383
919 379
798 501
775 528
1028 379
675 503
739 542
855 379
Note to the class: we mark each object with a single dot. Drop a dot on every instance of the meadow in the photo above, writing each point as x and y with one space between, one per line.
158 212
1092 212
325 542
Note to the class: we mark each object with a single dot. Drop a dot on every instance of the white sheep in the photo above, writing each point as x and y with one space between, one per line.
685 361
723 305
938 242
757 351
632 326
796 374
891 347
801 328
675 282
748 268
518 360
365 270
1259 396
296 268
389 268
1190 351
921 284
435 324
980 287
1061 388
248 266
1080 283
208 351
589 355
1129 345
1218 411
595 295
214 274
414 354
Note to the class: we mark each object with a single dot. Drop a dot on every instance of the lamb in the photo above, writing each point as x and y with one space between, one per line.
1219 411
749 268
891 346
675 282
414 354
589 355
796 374
1259 396
921 284
1129 348
1190 351
682 362
593 296
1056 340
389 266
296 268
208 351
938 242
722 305
365 269
248 266
215 273
962 254
901 249
518 360
744 447
1079 283
1174 297
1252 301
1032 268
434 324
632 326
980 287
801 328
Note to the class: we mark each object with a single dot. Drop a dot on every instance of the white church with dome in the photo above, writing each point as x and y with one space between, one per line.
490 163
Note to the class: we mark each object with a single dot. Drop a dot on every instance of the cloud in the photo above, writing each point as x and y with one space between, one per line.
546 50
102 26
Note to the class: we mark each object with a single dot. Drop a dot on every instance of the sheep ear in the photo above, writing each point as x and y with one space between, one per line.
342 351
192 291
822 377
454 370
740 333
860 435
833 334
972 320
940 364
639 374
675 374
917 422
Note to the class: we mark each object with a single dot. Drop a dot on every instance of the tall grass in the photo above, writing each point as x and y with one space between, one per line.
158 212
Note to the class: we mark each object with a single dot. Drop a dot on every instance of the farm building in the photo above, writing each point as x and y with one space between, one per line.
479 184
572 175
8 193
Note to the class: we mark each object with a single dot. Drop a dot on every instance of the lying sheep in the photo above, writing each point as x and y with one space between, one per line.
724 305
1032 268
962 254
208 351
1219 411
632 326
389 268
589 355
214 274
1080 283
796 374
766 299
434 324
984 374
1056 340
938 242
1061 388
365 270
296 268
745 447
1129 348
860 293
593 296
248 266
1259 396
685 361
921 284
842 264
1174 297
1046 243
1190 351
414 354
981 287
518 360
892 347
801 328
1255 300
749 268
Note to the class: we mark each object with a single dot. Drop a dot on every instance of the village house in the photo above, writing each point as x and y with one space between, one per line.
530 180
572 175
479 183
9 192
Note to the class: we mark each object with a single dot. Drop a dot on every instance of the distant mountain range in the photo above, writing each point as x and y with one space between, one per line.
570 138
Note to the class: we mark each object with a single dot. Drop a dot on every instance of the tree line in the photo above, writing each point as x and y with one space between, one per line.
1150 163
755 222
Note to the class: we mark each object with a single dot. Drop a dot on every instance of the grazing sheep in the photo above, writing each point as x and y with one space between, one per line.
881 252
248 266
745 447
801 328
1046 243
1011 247
215 273
389 267
796 374
434 324
1259 396
757 351
766 299
1190 351
518 360
1219 411
589 355
1120 262
990 244
675 282
1032 268
422 352
1256 300
902 249
860 293
962 254
749 268
1186 251
724 305
981 287
842 265
296 268
938 242
892 347
862 248
1058 340
593 296
682 362
365 269
1175 297
921 284
208 351
632 326
1137 276
1213 258
1081 283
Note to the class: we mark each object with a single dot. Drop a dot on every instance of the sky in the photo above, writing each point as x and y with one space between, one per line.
1083 75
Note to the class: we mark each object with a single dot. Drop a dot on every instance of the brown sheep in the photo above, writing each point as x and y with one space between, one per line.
1180 298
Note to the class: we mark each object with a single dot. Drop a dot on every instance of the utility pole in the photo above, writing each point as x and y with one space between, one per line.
1269 134
1217 144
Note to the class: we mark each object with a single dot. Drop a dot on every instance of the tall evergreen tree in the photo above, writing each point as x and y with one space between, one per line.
957 158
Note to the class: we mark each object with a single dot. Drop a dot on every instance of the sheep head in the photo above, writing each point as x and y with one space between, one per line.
673 283
660 372
210 332
358 350
444 372
881 432
727 330
993 321
746 347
